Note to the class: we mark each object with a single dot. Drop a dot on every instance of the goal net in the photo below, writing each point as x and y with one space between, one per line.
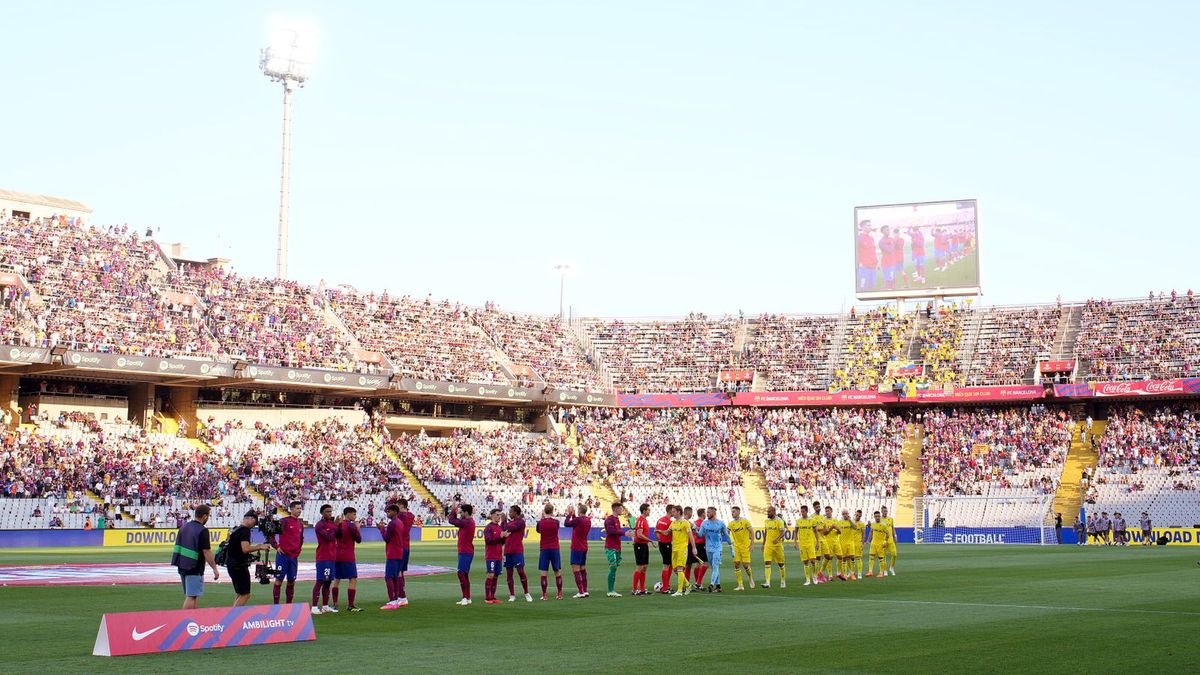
1024 519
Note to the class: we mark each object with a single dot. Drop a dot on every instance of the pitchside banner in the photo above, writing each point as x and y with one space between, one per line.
1180 387
1024 392
146 364
798 398
672 400
1176 536
982 535
16 354
188 629
160 537
571 397
317 378
464 390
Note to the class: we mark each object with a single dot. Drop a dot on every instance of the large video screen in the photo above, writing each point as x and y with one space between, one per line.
916 250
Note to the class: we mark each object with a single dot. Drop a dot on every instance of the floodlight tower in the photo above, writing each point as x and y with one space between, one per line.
562 269
285 61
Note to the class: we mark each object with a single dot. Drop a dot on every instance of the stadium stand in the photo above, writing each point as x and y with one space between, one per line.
849 457
267 321
994 451
424 339
80 276
1008 341
681 355
498 468
1149 462
793 352
1141 339
873 338
685 456
543 344
940 339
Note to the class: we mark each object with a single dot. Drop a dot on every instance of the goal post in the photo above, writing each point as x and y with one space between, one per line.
1025 519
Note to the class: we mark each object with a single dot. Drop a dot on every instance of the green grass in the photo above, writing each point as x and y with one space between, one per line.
952 608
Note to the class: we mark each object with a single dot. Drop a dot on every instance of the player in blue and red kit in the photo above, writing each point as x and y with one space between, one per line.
581 526
462 516
549 555
346 567
493 556
396 536
287 550
514 552
326 530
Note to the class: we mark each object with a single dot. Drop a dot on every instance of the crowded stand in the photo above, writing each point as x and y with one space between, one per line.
497 468
844 456
873 338
544 344
994 451
271 322
1157 338
325 461
690 456
940 339
1010 341
424 339
792 351
1149 460
682 355
81 276
118 465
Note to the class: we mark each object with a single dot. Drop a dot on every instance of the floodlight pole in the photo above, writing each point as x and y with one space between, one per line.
292 73
562 285
284 179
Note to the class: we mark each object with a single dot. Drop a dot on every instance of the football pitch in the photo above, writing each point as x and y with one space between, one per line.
949 609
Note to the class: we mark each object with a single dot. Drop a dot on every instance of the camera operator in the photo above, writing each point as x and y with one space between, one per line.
239 552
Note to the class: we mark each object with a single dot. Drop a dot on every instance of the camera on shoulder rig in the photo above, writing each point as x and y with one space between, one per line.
263 571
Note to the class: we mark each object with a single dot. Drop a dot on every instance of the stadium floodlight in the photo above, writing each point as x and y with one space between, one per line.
288 61
562 269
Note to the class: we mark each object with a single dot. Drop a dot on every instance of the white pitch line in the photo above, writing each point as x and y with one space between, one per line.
1002 606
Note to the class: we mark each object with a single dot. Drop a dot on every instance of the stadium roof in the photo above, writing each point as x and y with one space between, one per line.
44 200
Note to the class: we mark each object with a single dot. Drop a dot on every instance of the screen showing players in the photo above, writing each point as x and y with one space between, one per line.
916 250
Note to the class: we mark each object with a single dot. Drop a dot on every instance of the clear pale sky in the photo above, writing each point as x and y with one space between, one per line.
681 155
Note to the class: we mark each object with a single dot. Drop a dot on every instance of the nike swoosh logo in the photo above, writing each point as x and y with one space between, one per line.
138 637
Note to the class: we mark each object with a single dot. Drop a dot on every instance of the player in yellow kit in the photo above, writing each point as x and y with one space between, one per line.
881 534
808 543
818 519
742 534
891 551
859 530
682 542
849 538
829 543
773 532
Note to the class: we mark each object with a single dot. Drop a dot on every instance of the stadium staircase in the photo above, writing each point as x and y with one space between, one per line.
1081 456
758 498
166 424
604 493
417 484
912 480
1069 323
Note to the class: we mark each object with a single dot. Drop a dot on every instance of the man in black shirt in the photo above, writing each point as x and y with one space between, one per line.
237 552
1058 526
